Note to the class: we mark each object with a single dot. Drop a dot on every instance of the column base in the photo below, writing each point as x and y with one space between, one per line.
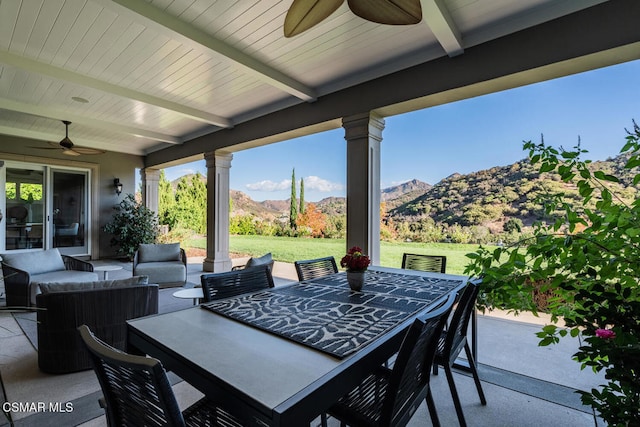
217 265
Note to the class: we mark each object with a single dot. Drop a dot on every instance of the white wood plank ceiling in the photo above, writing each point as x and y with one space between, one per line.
161 72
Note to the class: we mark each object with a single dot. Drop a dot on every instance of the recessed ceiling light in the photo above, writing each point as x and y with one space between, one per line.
78 99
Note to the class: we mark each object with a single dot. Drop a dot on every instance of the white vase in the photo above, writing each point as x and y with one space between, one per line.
356 280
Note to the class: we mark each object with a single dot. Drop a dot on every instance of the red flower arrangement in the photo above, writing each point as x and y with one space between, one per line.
355 260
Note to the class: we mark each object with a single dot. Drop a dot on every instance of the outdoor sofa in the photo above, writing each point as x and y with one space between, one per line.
23 272
104 306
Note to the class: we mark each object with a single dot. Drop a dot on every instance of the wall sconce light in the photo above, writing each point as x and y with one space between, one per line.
117 185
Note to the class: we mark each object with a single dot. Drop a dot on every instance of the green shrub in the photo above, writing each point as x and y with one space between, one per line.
588 259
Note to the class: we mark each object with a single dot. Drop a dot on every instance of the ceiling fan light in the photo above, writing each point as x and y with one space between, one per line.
391 12
304 14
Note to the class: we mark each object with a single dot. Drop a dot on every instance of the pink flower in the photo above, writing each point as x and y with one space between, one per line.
605 334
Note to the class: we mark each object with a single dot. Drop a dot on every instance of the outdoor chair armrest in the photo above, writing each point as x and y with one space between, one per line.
76 264
16 283
183 256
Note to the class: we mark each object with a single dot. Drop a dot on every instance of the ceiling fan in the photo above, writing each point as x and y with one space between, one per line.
68 147
304 14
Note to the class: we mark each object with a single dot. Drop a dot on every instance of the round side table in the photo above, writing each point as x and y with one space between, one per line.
193 293
106 269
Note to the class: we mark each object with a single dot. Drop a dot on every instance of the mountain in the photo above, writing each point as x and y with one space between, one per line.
242 204
399 194
405 189
490 197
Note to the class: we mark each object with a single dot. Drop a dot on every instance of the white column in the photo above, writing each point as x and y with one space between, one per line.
218 166
150 179
363 133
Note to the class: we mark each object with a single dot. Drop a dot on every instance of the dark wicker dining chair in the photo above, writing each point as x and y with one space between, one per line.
453 340
390 397
217 286
313 268
137 392
432 263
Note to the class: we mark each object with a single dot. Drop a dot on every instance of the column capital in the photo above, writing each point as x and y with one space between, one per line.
218 158
150 174
363 125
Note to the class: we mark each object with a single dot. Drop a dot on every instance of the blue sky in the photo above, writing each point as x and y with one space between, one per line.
465 136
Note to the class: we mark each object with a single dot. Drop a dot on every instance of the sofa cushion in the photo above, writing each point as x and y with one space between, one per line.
59 276
46 288
163 272
158 252
263 260
37 262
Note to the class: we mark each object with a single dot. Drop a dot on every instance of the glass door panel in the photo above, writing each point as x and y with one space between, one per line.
25 208
69 211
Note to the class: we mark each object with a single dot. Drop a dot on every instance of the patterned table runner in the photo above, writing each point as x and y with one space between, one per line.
324 314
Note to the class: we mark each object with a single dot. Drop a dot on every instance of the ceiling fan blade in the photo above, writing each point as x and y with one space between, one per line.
392 12
70 152
45 148
304 14
86 150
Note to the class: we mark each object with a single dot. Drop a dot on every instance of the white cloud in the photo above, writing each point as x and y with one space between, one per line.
322 185
310 183
268 185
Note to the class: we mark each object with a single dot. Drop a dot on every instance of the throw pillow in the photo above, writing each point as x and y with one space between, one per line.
263 260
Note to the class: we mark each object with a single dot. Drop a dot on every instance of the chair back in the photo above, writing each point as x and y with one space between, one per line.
409 381
231 283
432 263
314 268
136 389
457 329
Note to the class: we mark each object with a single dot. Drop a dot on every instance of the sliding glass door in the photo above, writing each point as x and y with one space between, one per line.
44 207
69 211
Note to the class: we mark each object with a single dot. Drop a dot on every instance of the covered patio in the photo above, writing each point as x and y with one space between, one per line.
149 85
153 85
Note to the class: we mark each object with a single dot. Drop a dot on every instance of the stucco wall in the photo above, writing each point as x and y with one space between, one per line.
105 167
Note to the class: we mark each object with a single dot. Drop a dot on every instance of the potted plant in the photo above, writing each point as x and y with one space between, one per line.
132 224
356 264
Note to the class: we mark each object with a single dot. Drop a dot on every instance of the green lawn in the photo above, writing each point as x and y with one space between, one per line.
289 249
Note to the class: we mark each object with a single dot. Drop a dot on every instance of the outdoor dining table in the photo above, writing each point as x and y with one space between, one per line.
286 354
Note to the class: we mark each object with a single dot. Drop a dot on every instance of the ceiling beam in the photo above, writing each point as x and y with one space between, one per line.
82 80
80 142
176 29
57 114
437 17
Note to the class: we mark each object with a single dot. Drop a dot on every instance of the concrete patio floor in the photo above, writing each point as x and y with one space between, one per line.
525 385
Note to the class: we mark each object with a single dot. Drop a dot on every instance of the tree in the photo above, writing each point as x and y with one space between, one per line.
166 201
588 260
132 224
302 207
293 207
191 203
312 219
513 225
